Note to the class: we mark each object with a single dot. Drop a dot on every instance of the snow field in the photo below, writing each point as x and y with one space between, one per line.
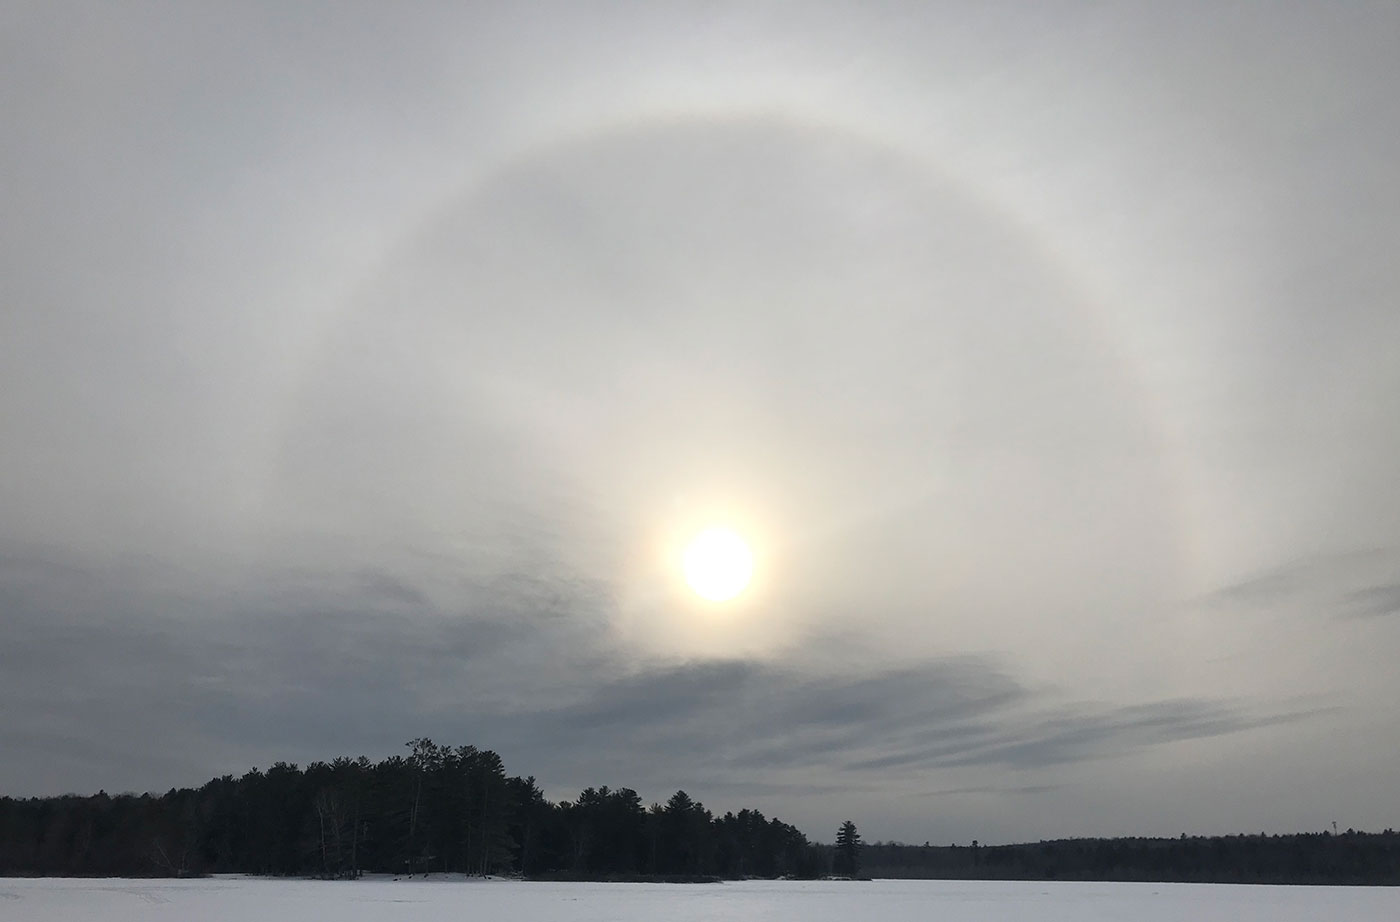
248 899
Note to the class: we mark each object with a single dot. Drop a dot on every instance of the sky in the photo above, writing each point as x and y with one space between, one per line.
365 368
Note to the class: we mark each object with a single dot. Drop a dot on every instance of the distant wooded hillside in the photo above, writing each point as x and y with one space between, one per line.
1311 858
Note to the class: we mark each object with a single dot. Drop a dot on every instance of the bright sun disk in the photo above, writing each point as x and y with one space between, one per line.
718 564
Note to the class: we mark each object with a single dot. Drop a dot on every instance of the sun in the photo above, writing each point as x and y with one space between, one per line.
718 564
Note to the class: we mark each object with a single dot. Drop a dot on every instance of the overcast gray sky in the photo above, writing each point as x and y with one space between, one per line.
363 367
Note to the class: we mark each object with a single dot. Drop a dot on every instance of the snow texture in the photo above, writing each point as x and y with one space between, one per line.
244 899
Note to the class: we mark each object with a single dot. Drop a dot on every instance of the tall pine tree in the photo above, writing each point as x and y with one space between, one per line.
846 861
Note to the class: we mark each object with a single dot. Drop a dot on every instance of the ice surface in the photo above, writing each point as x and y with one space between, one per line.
240 899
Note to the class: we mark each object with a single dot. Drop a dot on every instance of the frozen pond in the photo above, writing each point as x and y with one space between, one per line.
236 899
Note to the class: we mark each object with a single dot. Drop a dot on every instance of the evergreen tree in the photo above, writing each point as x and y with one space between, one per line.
846 861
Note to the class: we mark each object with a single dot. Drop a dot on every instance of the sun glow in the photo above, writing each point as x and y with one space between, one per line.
718 564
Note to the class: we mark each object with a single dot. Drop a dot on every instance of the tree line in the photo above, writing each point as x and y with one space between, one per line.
454 809
436 809
1351 857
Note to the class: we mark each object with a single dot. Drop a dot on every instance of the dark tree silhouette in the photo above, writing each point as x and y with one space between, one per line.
441 808
437 809
846 860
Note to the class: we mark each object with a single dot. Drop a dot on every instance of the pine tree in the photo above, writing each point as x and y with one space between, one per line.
846 861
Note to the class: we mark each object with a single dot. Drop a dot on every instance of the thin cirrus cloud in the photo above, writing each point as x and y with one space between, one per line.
357 376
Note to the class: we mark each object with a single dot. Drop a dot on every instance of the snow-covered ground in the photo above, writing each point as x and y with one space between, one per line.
238 899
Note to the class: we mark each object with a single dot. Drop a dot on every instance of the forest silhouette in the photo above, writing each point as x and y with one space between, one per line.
442 809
